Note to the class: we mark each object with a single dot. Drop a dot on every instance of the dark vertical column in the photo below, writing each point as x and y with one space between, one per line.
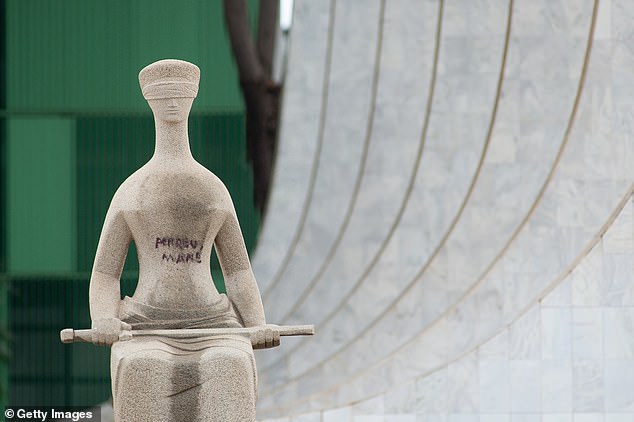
3 155
4 305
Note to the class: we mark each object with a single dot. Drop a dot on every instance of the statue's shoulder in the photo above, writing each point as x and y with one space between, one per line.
128 190
131 182
217 189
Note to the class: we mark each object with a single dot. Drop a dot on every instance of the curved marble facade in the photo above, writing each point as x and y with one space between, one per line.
452 209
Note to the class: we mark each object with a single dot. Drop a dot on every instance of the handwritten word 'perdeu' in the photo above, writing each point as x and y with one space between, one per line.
181 243
182 255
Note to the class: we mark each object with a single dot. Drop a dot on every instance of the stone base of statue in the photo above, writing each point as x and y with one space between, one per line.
213 381
209 378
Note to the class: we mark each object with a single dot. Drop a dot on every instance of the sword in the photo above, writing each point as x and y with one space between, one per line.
69 335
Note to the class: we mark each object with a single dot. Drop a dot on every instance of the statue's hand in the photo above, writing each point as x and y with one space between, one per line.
266 336
107 330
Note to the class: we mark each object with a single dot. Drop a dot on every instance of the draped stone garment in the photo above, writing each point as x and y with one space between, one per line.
207 379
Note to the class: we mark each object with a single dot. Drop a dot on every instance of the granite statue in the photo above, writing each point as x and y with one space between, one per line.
181 351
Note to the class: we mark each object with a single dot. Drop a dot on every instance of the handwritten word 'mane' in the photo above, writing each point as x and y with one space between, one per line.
182 258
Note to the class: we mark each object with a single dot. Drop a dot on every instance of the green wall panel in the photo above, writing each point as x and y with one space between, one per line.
86 54
43 371
41 225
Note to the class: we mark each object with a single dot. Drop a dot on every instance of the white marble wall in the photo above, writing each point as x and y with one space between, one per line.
568 357
466 156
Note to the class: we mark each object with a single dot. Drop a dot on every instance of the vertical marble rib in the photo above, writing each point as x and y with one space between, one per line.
356 36
298 139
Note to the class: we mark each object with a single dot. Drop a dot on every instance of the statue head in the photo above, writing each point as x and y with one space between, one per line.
170 86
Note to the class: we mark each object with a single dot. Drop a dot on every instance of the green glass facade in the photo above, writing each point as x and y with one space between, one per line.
73 126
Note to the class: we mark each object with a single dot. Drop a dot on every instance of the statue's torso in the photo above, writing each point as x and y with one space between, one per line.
174 214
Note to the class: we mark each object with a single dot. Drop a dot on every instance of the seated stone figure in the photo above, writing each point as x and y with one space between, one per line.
175 211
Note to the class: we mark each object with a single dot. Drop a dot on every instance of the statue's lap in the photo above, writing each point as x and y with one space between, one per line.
209 378
159 379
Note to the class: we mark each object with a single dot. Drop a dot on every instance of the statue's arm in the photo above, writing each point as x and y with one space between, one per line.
240 283
105 290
